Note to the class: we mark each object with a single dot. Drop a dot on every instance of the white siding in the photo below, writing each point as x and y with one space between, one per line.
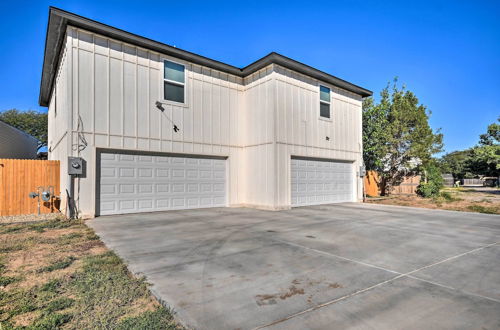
59 117
259 140
115 87
257 122
301 131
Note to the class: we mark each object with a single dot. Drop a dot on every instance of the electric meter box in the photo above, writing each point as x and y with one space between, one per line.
76 166
362 171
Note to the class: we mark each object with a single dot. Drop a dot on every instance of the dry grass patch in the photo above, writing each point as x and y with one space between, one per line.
58 274
455 199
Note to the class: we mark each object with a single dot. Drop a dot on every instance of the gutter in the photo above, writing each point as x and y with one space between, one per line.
59 20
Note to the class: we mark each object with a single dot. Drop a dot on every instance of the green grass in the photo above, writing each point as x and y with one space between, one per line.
149 320
105 284
59 264
59 304
448 197
69 238
51 321
445 197
460 189
99 293
51 286
483 209
51 224
6 280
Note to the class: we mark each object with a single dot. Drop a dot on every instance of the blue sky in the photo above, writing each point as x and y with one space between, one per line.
447 52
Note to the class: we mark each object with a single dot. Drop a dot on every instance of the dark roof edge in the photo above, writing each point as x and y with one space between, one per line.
59 19
306 70
20 131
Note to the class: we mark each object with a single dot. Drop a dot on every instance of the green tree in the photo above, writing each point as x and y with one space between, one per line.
492 135
486 156
432 181
375 135
32 122
481 160
484 161
397 136
455 163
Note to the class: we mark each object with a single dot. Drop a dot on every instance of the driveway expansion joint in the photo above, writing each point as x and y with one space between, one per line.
401 275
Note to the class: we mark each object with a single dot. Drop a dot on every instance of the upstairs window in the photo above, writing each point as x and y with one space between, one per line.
174 82
324 101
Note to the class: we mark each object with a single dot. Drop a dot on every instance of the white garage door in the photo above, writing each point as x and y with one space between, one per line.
321 182
140 183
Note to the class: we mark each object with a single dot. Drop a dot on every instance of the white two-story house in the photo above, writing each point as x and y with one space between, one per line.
160 128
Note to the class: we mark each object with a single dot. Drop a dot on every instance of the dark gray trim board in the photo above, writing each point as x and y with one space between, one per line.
320 159
60 19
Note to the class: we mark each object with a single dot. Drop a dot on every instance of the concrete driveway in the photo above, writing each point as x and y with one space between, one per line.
323 267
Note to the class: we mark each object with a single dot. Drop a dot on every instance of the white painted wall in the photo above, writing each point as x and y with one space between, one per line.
59 117
301 132
257 122
259 140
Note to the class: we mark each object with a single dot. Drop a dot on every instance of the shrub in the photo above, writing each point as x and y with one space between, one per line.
432 183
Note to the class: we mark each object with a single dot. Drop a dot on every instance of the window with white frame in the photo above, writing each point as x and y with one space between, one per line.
174 82
324 101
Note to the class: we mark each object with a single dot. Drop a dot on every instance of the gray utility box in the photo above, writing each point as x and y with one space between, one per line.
362 171
76 166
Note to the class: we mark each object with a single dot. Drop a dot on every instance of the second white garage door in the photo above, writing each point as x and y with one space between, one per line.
321 182
142 183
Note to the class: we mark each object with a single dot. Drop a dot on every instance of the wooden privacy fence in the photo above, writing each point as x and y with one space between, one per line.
407 187
19 177
473 182
371 184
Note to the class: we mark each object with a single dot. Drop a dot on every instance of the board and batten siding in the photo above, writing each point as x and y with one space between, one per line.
259 139
301 131
59 142
105 97
114 87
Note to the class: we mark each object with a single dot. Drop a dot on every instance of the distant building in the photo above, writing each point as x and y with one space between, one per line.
448 180
15 143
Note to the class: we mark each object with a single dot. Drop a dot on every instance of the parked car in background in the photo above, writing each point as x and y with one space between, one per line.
490 181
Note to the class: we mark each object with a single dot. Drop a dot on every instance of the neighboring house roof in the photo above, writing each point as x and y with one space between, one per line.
60 19
15 143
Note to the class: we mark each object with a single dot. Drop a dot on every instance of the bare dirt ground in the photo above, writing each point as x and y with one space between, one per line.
468 199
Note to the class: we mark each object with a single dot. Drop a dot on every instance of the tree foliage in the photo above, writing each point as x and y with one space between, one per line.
397 136
432 181
32 122
492 135
479 161
455 163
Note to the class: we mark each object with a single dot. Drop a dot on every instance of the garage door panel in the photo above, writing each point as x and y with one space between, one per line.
143 183
320 182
